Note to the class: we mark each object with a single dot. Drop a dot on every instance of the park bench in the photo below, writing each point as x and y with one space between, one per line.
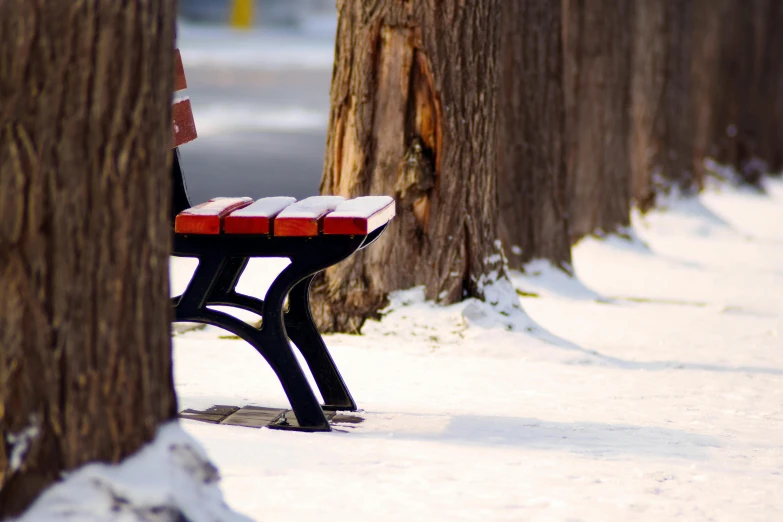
315 233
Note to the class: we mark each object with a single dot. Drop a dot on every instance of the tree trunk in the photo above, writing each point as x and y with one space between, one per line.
709 16
85 364
770 114
742 111
662 149
413 114
597 39
531 117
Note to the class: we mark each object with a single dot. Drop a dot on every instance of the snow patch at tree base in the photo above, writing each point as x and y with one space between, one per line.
170 479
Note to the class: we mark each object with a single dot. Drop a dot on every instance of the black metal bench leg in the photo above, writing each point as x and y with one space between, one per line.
275 339
201 284
216 276
277 352
224 290
213 283
229 275
301 329
275 347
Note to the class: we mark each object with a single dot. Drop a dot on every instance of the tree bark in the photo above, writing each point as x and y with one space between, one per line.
662 149
413 108
709 18
749 76
597 39
770 113
85 355
531 139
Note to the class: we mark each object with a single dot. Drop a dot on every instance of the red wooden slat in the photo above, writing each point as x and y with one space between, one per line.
206 218
256 218
179 72
305 218
360 216
183 127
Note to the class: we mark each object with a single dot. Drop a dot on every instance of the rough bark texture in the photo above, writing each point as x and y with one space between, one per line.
413 101
597 39
662 150
85 356
531 139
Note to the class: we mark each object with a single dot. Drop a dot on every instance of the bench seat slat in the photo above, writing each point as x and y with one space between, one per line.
257 217
305 218
360 215
206 218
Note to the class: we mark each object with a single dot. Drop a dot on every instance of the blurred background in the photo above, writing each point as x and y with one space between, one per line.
258 76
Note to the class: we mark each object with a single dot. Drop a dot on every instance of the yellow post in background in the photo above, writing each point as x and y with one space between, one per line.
242 14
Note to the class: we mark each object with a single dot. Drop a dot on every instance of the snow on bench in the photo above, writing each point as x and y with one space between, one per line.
257 217
283 216
305 218
206 218
360 215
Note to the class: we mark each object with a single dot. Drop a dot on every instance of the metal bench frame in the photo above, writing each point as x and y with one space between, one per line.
222 259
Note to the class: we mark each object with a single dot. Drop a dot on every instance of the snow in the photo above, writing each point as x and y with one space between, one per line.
311 208
646 388
362 207
20 443
170 479
217 206
219 118
264 207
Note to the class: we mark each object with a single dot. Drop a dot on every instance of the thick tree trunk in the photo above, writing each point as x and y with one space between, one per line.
85 356
413 114
531 139
597 39
662 150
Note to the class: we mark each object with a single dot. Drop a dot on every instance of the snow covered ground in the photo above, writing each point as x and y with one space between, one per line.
649 388
170 480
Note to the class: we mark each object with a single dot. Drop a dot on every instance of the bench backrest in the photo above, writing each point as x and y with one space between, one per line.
183 130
